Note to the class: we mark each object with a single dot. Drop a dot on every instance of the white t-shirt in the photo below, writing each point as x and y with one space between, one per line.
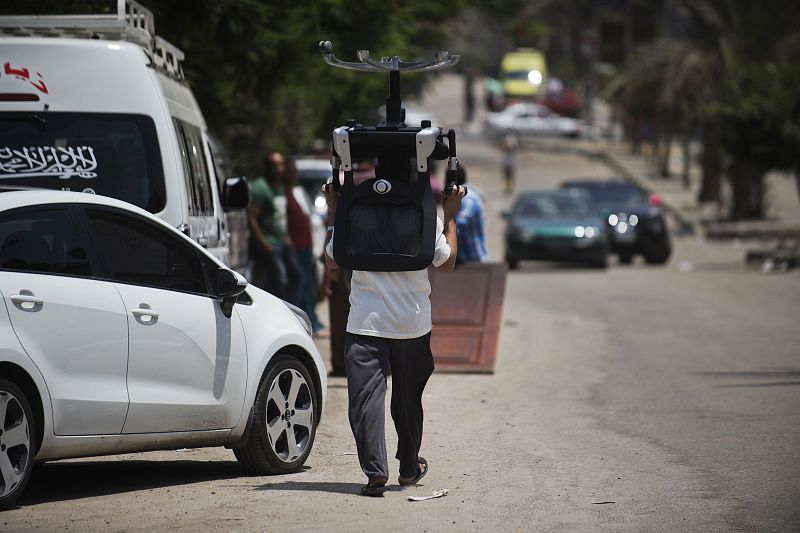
393 305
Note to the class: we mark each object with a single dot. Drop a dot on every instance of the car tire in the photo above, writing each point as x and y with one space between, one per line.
599 262
276 444
17 443
626 258
657 252
513 262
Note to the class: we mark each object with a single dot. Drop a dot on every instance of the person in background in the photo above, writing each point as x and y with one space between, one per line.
509 145
470 225
275 268
470 74
298 218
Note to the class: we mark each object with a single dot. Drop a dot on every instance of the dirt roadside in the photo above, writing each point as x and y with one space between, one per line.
523 449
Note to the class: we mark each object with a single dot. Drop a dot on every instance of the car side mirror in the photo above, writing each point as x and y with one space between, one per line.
230 285
235 193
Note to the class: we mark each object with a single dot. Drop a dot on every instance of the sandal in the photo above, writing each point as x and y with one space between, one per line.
373 489
419 475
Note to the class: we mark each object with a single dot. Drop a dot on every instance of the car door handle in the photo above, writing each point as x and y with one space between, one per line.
26 299
140 312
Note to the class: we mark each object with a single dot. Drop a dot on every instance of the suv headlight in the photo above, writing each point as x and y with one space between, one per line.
301 315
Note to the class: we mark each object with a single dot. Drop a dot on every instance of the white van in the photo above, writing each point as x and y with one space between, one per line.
99 104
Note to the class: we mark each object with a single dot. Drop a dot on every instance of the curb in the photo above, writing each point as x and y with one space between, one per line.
762 230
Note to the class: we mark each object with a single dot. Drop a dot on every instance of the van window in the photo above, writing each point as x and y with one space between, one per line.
191 193
114 155
198 180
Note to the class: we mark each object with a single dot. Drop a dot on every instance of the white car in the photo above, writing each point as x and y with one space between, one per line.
534 120
120 334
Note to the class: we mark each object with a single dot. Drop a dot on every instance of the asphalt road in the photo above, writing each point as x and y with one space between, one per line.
637 398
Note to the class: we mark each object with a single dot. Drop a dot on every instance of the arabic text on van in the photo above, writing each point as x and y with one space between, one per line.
44 161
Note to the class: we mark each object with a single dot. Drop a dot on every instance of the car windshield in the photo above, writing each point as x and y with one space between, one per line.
517 75
110 154
552 206
615 196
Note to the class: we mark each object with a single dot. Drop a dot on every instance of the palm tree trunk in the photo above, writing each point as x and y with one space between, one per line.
712 164
687 160
748 186
664 156
797 179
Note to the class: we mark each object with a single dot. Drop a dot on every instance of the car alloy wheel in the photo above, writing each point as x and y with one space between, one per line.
285 416
16 443
289 415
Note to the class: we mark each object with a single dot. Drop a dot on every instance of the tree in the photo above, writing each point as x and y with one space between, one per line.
664 84
735 76
753 45
759 113
257 73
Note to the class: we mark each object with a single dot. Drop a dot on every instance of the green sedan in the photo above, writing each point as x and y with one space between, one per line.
555 225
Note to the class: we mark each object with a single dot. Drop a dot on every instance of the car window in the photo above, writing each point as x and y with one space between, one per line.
142 254
517 75
45 241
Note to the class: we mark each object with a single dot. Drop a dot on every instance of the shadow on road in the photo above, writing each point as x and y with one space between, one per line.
774 384
546 266
760 375
71 481
314 486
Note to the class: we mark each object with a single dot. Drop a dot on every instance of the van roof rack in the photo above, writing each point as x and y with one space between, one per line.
130 21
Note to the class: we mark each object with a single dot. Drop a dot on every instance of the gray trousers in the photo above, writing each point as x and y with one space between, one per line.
367 361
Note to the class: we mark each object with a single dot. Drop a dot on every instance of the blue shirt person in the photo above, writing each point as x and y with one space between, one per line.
470 225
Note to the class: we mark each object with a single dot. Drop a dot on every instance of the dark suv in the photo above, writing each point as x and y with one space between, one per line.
634 219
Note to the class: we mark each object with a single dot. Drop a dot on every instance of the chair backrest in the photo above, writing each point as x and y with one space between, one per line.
387 223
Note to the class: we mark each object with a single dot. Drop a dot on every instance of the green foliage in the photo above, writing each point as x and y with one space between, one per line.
737 75
760 113
666 82
257 73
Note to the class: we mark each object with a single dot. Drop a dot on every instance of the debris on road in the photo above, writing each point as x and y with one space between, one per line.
434 494
780 258
602 503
